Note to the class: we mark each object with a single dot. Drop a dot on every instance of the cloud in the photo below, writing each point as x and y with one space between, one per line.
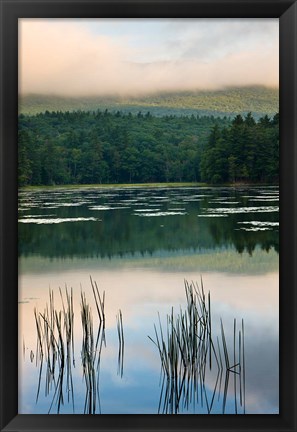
214 38
69 57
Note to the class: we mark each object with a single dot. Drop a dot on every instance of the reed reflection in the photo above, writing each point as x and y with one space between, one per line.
56 353
190 355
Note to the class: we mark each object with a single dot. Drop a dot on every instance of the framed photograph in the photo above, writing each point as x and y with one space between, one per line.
148 215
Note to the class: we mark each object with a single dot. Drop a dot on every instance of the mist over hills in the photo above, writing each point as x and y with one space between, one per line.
227 102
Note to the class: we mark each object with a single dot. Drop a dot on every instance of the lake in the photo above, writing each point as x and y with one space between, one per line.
141 246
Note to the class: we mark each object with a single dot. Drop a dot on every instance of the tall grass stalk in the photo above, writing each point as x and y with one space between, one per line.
188 354
119 319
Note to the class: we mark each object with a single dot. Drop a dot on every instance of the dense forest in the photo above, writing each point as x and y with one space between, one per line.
103 147
247 151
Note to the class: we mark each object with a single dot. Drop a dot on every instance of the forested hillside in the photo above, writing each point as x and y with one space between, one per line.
103 147
231 101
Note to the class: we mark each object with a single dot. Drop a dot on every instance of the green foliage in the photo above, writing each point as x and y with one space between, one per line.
246 151
103 147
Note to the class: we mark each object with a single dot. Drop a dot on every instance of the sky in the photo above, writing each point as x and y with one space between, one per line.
83 57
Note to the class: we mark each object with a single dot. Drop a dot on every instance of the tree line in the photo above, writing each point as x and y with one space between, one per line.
247 151
103 147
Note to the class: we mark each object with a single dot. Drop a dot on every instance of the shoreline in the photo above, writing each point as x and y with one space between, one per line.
144 185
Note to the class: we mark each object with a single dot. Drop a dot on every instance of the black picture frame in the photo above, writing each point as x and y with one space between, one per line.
286 11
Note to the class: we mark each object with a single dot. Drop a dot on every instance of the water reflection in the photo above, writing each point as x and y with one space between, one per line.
141 263
187 347
55 350
189 351
91 222
255 299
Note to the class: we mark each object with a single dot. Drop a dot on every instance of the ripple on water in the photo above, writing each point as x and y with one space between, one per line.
156 214
50 221
103 208
234 210
257 225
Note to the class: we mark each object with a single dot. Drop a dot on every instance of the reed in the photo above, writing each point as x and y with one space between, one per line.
91 350
188 354
88 354
55 348
243 363
119 319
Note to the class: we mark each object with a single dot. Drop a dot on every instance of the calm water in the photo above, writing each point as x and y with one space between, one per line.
139 245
